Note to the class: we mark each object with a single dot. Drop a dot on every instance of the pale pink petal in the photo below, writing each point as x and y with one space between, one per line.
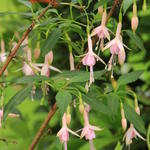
96 30
106 33
98 58
137 134
109 44
121 56
95 128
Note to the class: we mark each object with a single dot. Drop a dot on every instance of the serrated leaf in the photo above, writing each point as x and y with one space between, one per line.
136 39
135 119
26 3
126 5
118 146
31 79
51 41
78 76
63 99
17 99
129 77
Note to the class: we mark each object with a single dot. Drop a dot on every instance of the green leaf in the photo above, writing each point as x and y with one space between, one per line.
78 76
148 137
51 41
129 77
126 5
17 99
26 3
118 146
136 40
96 104
31 79
135 119
63 99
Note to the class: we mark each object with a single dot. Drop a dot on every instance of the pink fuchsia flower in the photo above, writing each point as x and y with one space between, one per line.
63 133
45 68
116 47
88 130
130 134
102 31
1 116
90 59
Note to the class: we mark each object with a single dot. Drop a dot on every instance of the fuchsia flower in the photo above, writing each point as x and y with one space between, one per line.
88 130
63 134
116 47
90 59
1 116
130 134
29 68
102 30
45 68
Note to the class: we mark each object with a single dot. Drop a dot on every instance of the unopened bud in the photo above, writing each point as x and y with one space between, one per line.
124 123
49 58
100 10
11 115
71 59
81 108
137 110
36 53
114 83
144 7
134 23
68 119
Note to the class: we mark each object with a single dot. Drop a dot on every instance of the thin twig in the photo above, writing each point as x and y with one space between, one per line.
95 38
26 33
43 126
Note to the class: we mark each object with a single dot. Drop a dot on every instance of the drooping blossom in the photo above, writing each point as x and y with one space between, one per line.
116 48
131 134
90 59
102 31
28 67
135 20
63 133
89 130
45 68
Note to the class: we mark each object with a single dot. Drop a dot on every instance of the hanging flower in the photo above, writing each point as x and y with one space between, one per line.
116 47
90 59
130 134
63 134
102 30
88 130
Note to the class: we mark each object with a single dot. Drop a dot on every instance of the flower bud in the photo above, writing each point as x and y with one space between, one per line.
134 21
68 119
100 10
71 59
36 53
124 123
137 110
49 58
81 108
144 7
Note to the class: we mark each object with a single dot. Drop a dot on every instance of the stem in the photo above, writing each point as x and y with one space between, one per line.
43 126
26 33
